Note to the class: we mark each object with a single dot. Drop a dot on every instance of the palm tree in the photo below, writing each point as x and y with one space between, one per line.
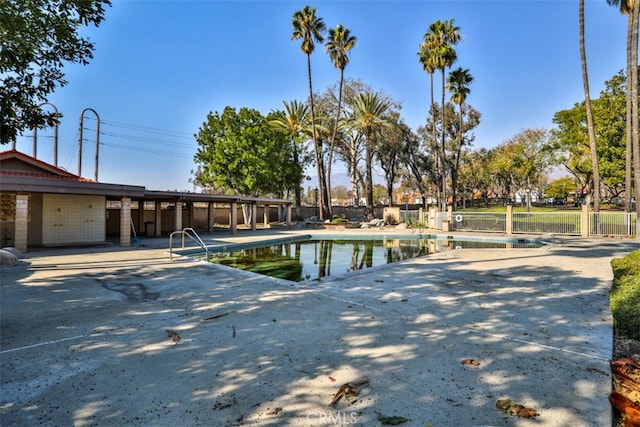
590 125
339 43
439 41
295 122
458 84
310 28
426 58
631 8
370 114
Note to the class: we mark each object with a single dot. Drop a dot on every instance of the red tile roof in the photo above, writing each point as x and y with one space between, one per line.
41 169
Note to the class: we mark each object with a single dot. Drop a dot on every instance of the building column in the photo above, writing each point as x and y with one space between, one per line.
140 228
210 217
158 219
233 218
265 216
22 222
125 221
192 211
254 214
288 216
177 223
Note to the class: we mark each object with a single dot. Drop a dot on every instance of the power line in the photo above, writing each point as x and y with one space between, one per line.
148 129
152 138
146 150
146 139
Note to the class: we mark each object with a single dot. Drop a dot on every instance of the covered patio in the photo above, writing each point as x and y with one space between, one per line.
44 205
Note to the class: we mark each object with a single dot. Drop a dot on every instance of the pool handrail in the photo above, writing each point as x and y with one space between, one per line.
191 233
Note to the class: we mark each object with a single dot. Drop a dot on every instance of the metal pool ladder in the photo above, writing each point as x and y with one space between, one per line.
191 233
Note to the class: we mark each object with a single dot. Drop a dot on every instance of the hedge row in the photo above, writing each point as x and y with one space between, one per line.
624 297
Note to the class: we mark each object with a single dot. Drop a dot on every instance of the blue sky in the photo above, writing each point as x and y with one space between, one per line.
160 67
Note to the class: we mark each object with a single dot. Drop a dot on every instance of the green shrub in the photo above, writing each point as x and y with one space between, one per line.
338 219
391 219
624 297
627 266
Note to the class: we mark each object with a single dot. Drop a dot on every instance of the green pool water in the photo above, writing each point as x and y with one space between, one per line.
310 258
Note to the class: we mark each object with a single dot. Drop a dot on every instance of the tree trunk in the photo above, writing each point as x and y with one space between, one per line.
635 13
590 125
353 174
297 191
322 183
443 150
628 183
325 193
369 172
435 140
454 172
332 144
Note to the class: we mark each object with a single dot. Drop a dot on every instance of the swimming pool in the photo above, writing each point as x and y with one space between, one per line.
311 257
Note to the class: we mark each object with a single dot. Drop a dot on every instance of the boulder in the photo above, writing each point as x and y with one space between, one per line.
7 257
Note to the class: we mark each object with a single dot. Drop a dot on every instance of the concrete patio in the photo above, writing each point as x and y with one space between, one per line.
84 339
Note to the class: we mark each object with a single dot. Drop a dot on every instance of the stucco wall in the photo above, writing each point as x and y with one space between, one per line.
69 218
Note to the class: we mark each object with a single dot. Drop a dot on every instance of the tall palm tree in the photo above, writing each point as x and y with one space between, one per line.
458 84
296 123
339 43
590 126
440 39
310 29
370 114
426 58
631 8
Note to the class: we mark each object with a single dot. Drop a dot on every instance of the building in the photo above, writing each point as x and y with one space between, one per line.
43 205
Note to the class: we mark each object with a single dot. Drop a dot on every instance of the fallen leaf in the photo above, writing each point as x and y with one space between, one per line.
348 390
469 361
333 380
515 409
175 337
503 404
392 421
276 411
523 411
627 407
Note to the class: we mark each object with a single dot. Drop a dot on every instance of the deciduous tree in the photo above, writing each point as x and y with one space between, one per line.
37 38
243 153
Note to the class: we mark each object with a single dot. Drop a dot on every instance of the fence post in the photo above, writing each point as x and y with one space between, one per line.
584 223
509 220
431 222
